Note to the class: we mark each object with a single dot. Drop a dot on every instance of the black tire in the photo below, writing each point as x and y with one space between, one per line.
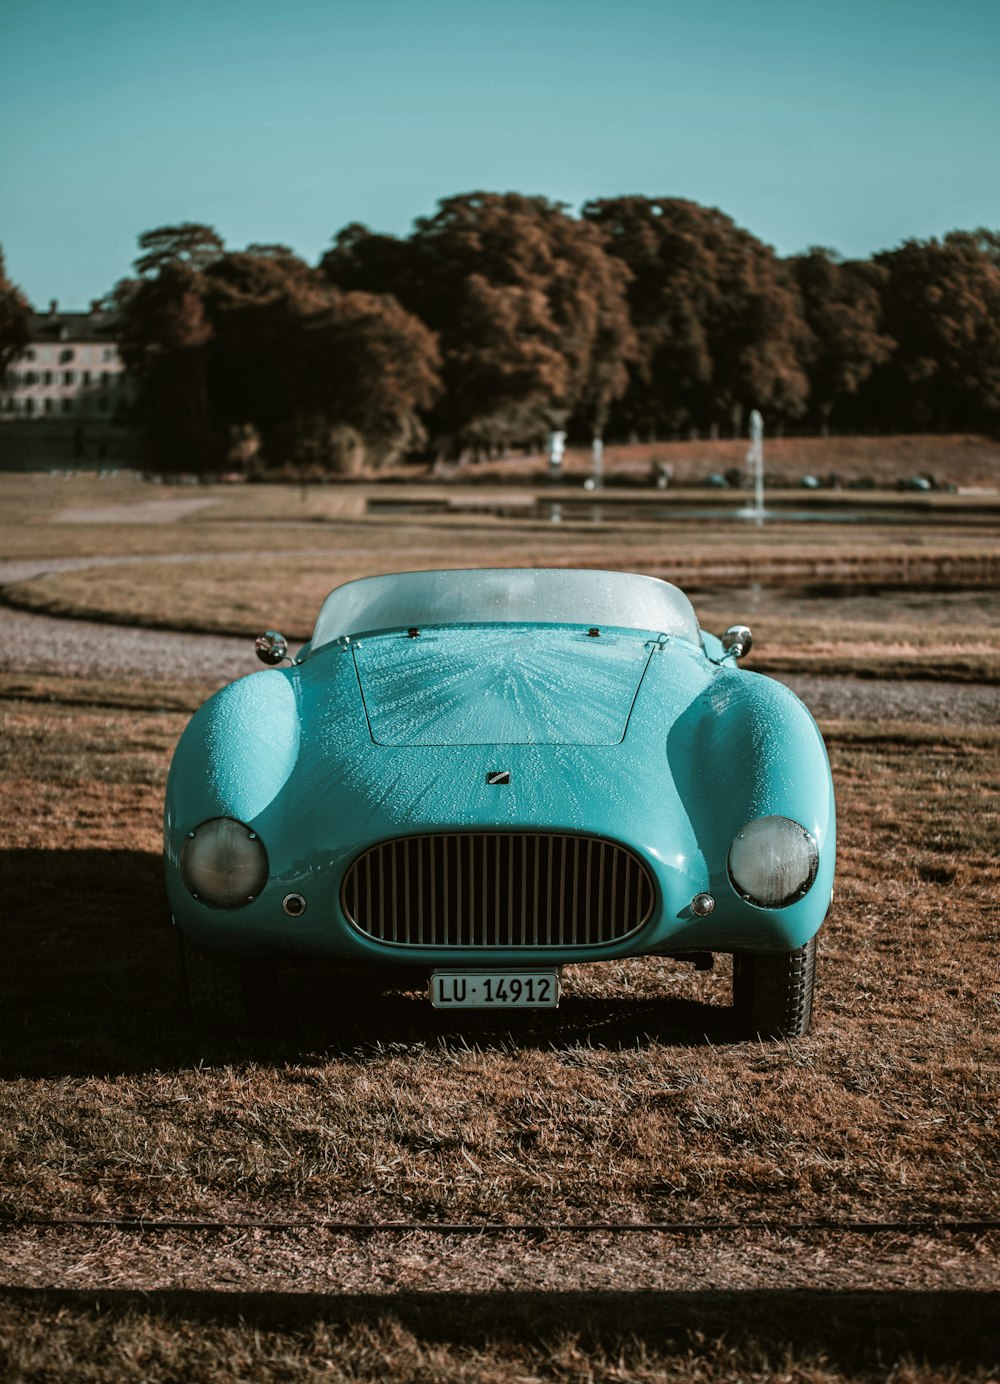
223 992
773 991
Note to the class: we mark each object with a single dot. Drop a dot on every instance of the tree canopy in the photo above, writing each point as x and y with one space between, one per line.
941 305
531 314
188 244
502 316
223 341
715 312
14 313
842 305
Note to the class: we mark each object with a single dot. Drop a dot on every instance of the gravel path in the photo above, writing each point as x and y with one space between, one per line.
89 648
872 699
84 648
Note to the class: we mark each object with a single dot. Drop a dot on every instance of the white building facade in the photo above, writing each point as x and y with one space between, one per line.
66 399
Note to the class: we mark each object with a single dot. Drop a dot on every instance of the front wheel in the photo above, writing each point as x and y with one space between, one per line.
773 991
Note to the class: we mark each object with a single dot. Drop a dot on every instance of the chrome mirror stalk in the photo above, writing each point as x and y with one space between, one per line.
737 641
271 647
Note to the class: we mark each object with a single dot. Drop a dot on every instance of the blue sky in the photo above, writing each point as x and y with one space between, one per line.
854 125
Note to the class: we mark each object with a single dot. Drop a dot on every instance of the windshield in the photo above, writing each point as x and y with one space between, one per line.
481 596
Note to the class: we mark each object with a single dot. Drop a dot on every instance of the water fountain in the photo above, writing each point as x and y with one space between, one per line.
755 464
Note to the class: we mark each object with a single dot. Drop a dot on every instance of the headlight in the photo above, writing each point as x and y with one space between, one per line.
773 861
224 863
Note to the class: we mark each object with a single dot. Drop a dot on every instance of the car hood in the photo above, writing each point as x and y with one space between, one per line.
501 685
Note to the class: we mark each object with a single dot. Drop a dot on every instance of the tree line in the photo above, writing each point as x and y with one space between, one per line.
502 317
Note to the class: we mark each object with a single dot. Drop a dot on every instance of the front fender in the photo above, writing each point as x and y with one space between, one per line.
235 755
746 748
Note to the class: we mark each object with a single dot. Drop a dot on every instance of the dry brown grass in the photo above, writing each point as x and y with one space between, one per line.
282 518
771 1338
633 1101
229 593
247 565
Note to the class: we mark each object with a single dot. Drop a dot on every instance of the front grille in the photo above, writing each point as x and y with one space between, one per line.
498 889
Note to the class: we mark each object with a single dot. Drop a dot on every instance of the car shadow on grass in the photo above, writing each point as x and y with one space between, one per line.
710 1332
92 986
365 1022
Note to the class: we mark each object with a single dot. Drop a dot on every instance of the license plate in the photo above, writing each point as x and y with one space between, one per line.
495 989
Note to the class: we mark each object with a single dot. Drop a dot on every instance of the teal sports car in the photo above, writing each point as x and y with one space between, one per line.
480 776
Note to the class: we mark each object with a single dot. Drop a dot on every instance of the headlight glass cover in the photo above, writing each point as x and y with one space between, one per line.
773 861
223 862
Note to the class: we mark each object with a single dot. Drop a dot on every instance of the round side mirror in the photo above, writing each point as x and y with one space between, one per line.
271 647
737 641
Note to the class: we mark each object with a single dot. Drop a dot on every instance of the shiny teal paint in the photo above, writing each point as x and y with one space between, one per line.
500 685
644 740
243 746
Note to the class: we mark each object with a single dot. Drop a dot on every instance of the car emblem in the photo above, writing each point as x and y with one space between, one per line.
498 776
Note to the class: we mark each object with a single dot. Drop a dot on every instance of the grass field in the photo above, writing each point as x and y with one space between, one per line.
872 598
635 1101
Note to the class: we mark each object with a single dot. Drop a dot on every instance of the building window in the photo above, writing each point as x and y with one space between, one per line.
108 353
66 355
29 405
85 377
49 405
69 377
67 405
29 355
46 377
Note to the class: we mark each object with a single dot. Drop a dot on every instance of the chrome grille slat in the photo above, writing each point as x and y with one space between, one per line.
433 883
627 886
588 935
600 889
443 877
461 874
524 891
536 862
510 885
483 890
394 912
576 875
